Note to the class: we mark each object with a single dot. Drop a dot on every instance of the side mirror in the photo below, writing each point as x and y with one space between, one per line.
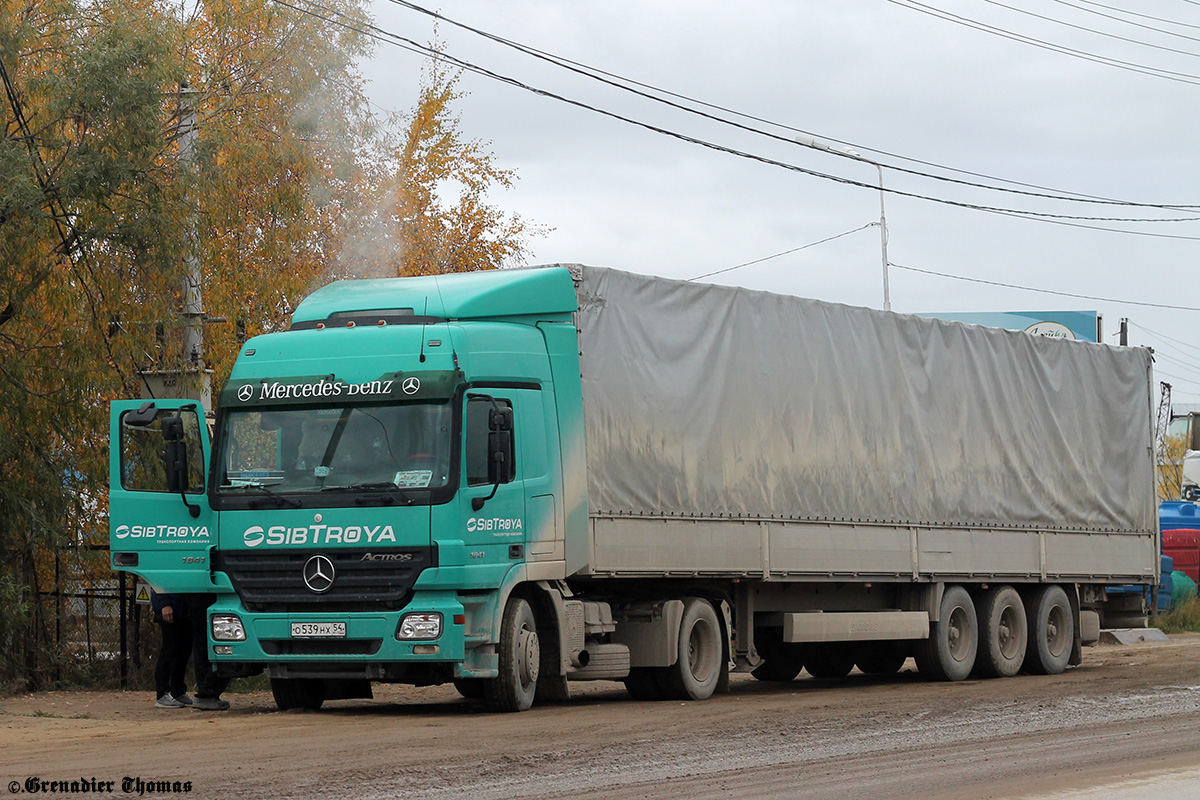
175 454
500 445
500 448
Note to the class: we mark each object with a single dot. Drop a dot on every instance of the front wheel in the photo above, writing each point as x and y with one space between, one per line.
306 693
695 674
470 688
520 660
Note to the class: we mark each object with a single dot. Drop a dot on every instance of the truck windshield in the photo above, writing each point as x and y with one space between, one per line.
302 450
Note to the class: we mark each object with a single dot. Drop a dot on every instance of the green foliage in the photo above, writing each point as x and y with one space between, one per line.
435 212
100 213
1183 619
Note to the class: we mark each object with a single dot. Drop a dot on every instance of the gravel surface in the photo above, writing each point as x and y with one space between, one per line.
1126 721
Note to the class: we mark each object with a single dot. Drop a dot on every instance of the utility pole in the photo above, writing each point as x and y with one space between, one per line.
191 379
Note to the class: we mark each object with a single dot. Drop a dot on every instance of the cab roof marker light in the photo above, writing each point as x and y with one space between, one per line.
320 326
350 324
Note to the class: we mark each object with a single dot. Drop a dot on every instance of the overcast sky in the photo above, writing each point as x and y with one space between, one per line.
895 83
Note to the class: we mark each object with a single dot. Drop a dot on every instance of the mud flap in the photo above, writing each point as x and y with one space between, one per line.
1077 643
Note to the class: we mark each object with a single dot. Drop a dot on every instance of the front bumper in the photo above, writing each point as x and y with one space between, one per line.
370 637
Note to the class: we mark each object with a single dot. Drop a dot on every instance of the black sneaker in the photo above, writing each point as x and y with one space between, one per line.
183 697
208 703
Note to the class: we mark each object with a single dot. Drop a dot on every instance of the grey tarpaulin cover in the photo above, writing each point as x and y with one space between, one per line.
704 400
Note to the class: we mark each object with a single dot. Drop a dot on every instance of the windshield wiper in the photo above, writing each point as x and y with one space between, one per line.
243 483
354 487
386 486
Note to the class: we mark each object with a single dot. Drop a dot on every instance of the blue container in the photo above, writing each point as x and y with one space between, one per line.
1176 514
1166 584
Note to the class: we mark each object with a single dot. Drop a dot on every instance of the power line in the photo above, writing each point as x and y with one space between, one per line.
785 252
1177 378
619 82
1042 291
1132 14
1093 30
1191 367
1164 336
1069 220
1178 77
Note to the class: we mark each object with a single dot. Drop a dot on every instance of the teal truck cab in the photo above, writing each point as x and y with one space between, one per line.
514 479
377 484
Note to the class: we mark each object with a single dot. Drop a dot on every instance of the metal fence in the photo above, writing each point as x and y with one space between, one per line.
93 631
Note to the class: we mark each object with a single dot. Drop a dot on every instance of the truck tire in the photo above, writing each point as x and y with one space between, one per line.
306 693
782 661
695 674
1003 633
642 683
880 658
829 660
1051 631
470 688
949 652
519 660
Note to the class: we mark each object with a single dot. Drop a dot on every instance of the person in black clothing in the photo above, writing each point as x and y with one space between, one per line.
171 614
209 685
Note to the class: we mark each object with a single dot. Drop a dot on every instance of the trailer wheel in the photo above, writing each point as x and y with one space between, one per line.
829 660
949 652
1051 631
782 661
695 674
642 683
519 660
306 693
470 688
1003 633
880 658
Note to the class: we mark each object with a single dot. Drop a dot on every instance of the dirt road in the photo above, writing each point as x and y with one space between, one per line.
1126 721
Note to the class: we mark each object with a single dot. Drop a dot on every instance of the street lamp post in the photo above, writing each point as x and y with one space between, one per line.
817 144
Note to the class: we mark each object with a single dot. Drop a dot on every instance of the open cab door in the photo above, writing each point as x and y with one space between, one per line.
160 524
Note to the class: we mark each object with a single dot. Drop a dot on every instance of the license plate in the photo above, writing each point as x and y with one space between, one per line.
318 630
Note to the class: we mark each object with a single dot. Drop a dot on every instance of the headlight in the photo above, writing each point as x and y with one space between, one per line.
420 626
227 628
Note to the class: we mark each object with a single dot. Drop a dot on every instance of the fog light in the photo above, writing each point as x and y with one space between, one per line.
227 628
420 626
425 649
223 649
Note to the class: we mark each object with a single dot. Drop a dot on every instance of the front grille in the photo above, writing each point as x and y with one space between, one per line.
274 581
321 647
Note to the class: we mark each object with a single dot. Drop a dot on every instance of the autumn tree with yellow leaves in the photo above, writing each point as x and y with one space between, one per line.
99 214
435 203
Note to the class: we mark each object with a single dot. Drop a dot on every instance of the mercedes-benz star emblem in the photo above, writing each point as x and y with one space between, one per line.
318 574
245 392
411 385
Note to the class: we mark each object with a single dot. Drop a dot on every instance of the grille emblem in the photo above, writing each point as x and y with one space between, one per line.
318 574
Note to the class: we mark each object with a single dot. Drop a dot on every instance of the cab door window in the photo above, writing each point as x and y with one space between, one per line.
143 453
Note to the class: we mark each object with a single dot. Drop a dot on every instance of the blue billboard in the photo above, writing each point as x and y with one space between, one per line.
1083 326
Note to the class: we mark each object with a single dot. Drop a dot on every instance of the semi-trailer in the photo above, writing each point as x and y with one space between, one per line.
516 479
